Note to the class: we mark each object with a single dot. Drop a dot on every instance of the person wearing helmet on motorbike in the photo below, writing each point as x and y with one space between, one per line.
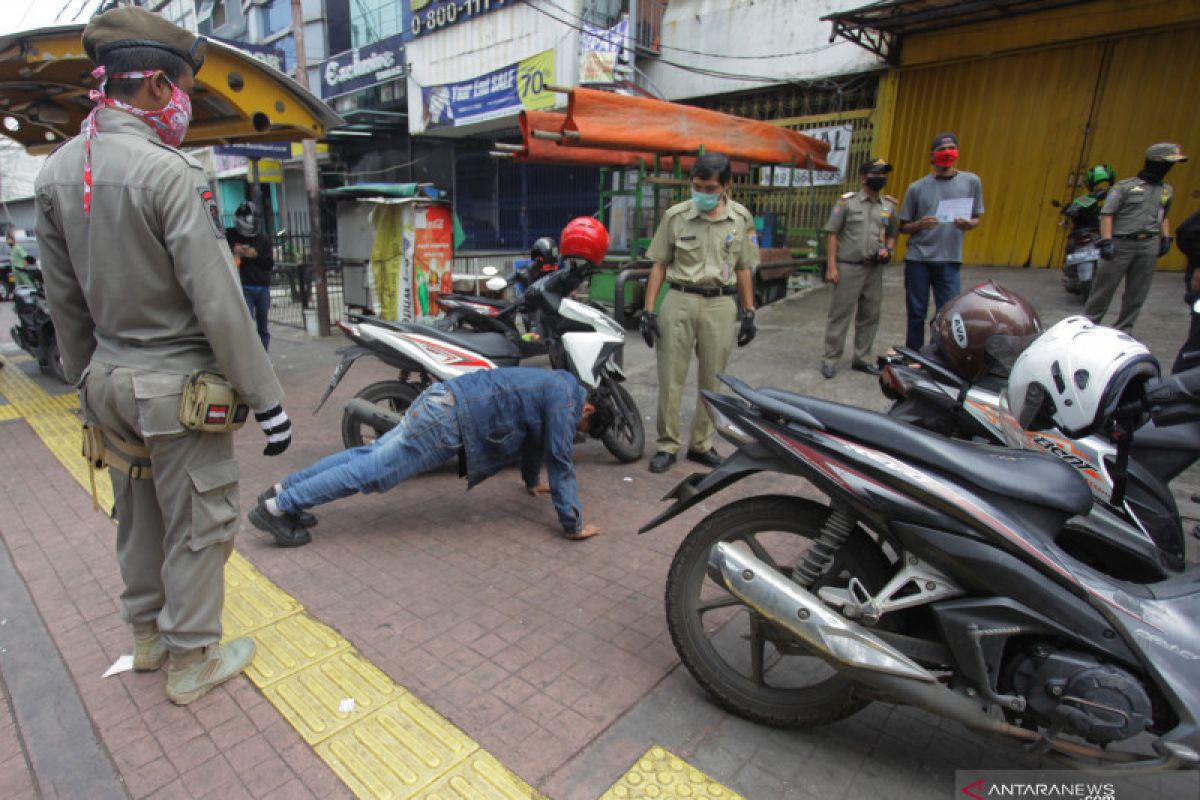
544 255
983 328
491 418
1134 234
252 252
1084 211
705 250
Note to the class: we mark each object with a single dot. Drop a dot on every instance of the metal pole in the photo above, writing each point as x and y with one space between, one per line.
312 182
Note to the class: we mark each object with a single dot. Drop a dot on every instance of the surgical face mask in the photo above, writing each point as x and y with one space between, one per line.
876 182
945 158
705 202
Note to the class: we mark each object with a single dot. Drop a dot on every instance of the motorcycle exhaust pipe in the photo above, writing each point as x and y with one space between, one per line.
370 414
856 652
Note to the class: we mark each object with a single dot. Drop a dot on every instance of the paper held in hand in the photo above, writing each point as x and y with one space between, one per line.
956 208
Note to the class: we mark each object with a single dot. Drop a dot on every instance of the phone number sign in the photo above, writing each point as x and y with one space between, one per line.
427 16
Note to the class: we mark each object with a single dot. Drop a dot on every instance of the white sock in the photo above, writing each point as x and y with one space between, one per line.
273 508
278 489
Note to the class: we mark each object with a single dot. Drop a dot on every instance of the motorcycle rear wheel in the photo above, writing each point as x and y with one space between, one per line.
392 395
626 437
735 654
54 364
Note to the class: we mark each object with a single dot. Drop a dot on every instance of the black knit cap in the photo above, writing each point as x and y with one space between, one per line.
132 26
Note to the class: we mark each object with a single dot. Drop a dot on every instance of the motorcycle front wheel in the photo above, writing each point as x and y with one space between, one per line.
749 665
626 437
391 395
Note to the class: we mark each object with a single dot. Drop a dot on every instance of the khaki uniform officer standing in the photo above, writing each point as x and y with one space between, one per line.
862 234
1134 234
143 291
705 250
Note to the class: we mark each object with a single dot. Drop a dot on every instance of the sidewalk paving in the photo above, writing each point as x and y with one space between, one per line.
552 655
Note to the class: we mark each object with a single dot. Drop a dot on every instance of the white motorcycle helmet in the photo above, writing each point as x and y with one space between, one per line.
1075 375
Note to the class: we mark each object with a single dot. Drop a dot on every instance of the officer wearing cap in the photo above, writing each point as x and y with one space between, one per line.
861 234
705 249
143 292
1134 234
937 210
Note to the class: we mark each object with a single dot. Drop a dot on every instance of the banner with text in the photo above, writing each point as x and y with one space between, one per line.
838 137
363 67
496 94
599 49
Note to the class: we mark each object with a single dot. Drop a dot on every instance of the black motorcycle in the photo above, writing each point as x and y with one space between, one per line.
932 576
34 331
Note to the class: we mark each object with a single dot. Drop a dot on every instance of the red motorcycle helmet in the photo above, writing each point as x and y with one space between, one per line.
586 238
982 322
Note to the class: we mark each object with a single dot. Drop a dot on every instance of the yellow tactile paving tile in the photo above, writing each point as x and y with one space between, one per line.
386 744
661 775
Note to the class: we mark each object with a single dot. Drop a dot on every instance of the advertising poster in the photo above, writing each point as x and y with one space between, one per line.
500 93
363 67
838 137
598 51
433 254
387 262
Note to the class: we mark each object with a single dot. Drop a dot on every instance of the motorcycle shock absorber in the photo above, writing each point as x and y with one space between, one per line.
834 533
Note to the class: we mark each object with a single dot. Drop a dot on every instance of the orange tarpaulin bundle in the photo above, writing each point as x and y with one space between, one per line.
597 119
547 151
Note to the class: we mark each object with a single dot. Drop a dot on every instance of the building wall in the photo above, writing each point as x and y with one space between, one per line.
775 41
1030 120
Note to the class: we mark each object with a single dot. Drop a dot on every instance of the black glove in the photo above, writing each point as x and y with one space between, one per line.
1107 249
748 330
1164 245
883 255
648 325
278 428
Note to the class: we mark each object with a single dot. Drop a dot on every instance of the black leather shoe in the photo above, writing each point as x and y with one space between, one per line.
305 519
827 371
709 458
862 366
284 528
662 461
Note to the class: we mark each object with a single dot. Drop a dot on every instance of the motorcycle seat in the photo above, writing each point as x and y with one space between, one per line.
1031 477
496 302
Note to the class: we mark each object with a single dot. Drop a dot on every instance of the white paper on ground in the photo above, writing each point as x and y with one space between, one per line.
122 664
346 706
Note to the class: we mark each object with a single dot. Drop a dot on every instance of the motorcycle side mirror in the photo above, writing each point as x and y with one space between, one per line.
489 272
496 284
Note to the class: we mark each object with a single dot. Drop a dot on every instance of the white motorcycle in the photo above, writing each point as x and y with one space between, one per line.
578 337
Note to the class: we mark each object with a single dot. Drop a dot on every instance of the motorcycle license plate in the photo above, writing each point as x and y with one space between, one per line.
1086 254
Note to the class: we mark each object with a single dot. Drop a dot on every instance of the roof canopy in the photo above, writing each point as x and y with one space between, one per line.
879 26
45 77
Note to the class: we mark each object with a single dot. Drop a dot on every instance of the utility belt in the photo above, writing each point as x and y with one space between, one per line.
211 404
1136 237
103 449
703 291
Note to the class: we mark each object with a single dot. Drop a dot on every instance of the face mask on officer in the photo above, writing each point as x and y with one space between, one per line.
705 202
1155 171
875 182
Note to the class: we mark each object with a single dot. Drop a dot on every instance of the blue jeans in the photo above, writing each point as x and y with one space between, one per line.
919 276
258 300
427 436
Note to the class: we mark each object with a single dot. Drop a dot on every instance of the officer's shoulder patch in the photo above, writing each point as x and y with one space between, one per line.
209 201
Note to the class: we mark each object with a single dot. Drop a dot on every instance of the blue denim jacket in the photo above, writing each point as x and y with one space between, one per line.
527 414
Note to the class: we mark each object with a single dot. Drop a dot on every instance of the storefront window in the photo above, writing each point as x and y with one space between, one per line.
372 20
276 16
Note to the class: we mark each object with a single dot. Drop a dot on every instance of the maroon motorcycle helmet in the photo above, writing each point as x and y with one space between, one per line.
983 327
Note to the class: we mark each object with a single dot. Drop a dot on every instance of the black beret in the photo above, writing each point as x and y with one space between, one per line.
131 26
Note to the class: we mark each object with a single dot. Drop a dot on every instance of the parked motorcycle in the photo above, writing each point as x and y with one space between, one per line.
935 576
34 331
577 337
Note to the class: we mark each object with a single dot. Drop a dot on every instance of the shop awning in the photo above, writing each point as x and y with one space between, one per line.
45 77
609 121
879 27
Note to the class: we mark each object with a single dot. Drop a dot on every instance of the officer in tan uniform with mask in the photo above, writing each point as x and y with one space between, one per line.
1134 234
705 249
143 293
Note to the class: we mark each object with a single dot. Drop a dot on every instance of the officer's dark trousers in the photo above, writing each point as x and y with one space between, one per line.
1134 264
919 278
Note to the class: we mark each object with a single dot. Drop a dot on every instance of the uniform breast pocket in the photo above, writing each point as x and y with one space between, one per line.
215 514
689 253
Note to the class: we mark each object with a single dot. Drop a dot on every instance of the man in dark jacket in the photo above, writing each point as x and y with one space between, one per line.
493 417
252 252
1187 239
